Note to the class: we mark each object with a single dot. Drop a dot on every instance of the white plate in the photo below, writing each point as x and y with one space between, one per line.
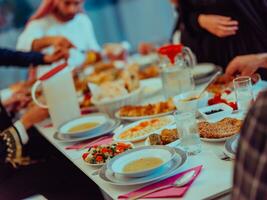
203 69
118 163
106 129
144 60
168 171
100 119
172 144
230 146
215 139
133 119
143 137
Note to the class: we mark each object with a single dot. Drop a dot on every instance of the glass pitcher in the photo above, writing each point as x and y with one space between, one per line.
176 62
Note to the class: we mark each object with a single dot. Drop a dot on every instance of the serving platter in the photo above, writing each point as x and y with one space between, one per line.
133 119
109 127
167 171
118 133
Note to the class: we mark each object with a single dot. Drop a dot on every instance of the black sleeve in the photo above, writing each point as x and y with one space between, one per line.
18 58
189 17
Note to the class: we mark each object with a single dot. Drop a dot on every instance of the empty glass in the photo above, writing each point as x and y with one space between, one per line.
243 92
187 127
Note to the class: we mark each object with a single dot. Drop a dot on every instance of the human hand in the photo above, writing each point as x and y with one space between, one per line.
146 48
34 115
246 65
59 42
56 41
220 26
59 54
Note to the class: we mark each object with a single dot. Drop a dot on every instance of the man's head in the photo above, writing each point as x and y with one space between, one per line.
66 10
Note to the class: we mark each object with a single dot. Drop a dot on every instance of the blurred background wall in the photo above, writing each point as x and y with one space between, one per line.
114 21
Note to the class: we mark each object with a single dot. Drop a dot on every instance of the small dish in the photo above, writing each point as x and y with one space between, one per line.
216 112
107 155
163 153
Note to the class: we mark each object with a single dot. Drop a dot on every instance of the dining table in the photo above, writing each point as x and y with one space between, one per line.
214 182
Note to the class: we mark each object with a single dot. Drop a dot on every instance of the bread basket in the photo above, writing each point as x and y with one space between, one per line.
111 106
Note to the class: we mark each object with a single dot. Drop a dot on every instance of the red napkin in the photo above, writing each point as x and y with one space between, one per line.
91 142
171 192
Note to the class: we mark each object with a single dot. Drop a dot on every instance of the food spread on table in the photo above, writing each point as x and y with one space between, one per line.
144 128
224 128
146 110
102 153
165 137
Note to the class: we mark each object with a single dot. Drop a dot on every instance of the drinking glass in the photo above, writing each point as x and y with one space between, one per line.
243 92
175 80
187 127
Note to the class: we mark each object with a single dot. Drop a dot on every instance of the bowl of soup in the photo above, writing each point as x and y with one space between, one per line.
84 124
190 101
142 161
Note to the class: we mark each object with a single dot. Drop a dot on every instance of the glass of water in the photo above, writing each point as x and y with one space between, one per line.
187 127
176 80
243 92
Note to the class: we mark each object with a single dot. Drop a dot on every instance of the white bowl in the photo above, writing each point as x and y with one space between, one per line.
117 164
111 106
100 119
226 111
193 105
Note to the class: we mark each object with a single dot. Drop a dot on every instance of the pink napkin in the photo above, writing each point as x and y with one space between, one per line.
91 142
171 192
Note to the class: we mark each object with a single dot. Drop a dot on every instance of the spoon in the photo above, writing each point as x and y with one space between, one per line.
213 78
180 182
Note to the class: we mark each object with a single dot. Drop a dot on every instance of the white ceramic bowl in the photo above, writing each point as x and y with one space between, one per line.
226 111
111 106
117 164
193 105
100 119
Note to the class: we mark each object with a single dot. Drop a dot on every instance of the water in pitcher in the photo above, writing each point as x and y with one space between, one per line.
61 98
176 80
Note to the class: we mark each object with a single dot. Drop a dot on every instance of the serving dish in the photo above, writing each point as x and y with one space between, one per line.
140 130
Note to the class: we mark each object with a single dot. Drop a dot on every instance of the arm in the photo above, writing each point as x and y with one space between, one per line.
24 59
252 152
9 57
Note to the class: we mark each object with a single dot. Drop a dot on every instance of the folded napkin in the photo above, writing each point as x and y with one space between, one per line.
91 142
171 192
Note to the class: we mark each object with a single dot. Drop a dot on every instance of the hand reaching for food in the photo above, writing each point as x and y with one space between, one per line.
246 65
220 26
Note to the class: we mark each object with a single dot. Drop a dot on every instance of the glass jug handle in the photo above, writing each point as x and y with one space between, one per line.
33 92
190 57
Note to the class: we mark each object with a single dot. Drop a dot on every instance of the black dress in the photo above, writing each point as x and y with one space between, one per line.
250 38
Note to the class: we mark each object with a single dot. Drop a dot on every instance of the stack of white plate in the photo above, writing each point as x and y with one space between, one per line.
230 147
204 71
114 171
104 126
